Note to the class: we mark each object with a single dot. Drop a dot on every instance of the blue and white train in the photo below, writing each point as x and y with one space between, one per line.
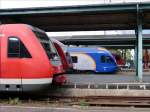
98 60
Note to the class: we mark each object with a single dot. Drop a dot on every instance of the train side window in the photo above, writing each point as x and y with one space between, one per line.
74 59
16 48
68 57
13 47
46 43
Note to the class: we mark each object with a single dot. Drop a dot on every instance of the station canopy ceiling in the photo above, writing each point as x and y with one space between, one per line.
121 41
84 18
80 18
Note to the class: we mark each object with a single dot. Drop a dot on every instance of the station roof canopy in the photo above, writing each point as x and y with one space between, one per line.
80 18
123 41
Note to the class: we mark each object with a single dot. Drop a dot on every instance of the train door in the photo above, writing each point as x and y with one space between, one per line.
10 68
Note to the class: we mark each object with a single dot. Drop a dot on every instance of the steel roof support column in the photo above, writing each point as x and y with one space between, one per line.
139 47
135 57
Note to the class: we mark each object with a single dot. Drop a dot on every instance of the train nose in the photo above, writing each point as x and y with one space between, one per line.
109 69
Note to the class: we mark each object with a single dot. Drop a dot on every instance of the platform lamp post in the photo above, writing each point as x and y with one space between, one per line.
139 47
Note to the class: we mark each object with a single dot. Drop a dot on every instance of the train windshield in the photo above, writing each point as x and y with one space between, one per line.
46 43
106 59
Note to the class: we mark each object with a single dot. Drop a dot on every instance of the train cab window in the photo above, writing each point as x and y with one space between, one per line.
46 43
16 48
74 59
109 59
106 59
103 59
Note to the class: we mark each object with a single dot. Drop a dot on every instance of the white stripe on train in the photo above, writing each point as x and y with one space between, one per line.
26 81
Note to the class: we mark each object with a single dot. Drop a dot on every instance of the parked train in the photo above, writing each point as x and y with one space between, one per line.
64 55
27 58
59 78
98 60
57 62
119 60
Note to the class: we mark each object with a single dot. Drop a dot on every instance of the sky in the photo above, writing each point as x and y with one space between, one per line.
43 3
50 3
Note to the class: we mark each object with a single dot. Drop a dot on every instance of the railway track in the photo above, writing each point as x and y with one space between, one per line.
98 101
118 101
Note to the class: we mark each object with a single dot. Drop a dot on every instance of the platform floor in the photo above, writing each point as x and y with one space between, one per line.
120 77
5 108
120 84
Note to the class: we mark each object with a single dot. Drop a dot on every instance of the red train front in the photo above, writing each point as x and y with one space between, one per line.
57 60
25 62
119 60
64 55
59 77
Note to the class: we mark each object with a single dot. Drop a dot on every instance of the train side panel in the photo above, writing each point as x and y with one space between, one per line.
96 59
10 67
83 61
36 71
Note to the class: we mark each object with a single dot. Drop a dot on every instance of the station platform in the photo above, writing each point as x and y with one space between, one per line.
119 84
120 80
119 77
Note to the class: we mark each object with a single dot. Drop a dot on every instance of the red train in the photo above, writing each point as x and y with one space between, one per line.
64 55
59 65
57 60
66 63
28 58
119 60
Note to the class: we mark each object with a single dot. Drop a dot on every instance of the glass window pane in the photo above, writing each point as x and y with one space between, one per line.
16 48
46 43
109 59
23 51
106 59
13 47
74 59
103 59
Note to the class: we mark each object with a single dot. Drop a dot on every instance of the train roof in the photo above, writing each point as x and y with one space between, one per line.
58 42
21 25
64 47
87 49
